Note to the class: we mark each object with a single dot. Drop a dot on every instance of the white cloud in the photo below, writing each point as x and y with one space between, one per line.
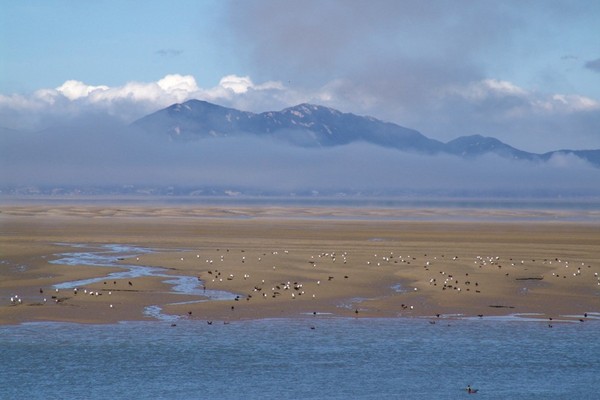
175 83
487 89
527 119
571 102
74 90
503 87
238 84
170 89
241 91
131 100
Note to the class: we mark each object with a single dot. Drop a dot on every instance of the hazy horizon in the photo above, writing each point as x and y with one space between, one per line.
112 156
74 76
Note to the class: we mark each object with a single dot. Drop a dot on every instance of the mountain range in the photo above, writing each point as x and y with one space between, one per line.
310 125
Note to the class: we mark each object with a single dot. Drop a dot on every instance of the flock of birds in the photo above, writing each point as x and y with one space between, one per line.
59 297
444 273
273 288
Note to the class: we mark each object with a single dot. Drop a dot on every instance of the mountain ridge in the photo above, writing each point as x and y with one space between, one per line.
310 125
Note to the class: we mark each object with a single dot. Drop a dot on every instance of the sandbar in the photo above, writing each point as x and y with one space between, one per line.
288 262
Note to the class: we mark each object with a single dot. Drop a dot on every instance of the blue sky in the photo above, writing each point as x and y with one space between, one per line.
45 43
527 73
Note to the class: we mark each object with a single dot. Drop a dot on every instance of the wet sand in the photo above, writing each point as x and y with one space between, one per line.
294 262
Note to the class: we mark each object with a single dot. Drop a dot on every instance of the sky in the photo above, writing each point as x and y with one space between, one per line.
525 72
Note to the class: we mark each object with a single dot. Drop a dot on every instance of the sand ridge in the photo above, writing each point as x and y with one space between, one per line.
292 211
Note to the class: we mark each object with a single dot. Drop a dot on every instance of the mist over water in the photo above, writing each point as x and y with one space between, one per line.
111 155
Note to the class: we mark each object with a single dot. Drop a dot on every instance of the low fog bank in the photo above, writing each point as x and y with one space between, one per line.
110 155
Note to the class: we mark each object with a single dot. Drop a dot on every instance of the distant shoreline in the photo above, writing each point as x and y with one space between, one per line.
411 209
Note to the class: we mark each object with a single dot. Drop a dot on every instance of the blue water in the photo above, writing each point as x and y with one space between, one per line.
310 358
110 257
285 359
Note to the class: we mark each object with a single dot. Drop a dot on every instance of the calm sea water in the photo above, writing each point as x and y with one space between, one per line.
285 359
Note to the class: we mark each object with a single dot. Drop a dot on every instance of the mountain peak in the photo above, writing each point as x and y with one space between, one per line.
307 111
305 125
310 108
475 140
311 125
476 145
199 105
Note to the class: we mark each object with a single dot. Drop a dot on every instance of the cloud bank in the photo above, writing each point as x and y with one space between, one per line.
418 63
104 154
76 99
489 106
